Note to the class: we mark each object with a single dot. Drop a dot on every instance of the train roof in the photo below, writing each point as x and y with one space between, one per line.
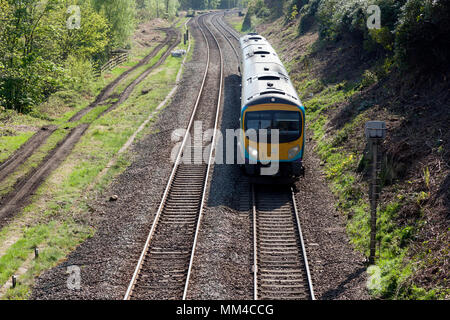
264 76
252 39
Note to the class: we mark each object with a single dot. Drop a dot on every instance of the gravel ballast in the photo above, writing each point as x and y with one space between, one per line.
223 260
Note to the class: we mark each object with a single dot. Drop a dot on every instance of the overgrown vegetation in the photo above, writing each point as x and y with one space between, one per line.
353 74
415 32
44 50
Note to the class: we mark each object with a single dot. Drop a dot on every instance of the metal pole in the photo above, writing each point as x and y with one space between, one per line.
373 202
375 133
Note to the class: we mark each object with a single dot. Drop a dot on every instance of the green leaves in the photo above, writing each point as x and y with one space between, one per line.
35 44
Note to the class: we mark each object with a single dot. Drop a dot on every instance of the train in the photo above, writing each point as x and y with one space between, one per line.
272 119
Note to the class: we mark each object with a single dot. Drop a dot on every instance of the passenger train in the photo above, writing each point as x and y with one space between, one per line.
269 102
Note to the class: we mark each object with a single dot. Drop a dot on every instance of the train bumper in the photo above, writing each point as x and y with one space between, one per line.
276 170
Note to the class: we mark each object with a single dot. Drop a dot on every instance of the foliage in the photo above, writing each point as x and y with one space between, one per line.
40 55
307 14
121 18
149 9
422 34
414 31
211 4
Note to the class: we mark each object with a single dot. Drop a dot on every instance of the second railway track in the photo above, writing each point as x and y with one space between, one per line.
164 267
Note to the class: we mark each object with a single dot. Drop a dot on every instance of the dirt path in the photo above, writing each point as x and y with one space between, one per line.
24 189
107 91
27 149
14 201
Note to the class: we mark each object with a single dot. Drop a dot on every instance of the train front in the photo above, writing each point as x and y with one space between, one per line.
272 115
273 136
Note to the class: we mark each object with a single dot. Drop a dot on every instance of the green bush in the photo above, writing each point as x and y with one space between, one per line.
422 34
247 23
307 15
79 73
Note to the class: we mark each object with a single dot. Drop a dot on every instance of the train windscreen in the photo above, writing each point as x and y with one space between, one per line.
287 122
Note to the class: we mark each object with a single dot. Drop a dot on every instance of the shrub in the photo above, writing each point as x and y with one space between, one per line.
79 73
247 23
422 34
307 15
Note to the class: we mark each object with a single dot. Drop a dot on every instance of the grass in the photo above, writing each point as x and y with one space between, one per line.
33 161
9 144
59 212
131 77
341 167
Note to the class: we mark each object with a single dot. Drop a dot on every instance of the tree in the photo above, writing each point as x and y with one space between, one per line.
121 16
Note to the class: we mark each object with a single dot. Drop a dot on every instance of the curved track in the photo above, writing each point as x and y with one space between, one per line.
227 34
164 267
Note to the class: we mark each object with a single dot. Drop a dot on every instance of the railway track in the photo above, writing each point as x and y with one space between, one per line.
280 266
24 188
165 264
281 270
227 34
232 32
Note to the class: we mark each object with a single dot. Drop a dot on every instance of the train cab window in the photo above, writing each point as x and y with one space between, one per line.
287 122
258 120
262 52
255 38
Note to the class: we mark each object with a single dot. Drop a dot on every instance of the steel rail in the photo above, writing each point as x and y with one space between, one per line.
305 258
255 248
177 165
230 30
302 248
218 20
210 162
171 178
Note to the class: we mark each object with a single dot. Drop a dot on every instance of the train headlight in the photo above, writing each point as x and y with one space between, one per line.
253 152
293 152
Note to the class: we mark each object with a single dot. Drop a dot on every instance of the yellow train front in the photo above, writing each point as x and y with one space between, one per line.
272 138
